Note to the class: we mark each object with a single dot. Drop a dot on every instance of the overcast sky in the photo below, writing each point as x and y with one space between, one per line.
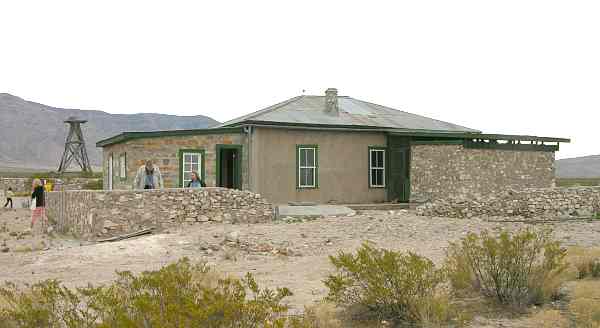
513 67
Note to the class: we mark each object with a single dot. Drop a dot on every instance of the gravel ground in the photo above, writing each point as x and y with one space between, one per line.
291 254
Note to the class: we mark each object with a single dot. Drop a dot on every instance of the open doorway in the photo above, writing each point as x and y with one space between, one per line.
229 166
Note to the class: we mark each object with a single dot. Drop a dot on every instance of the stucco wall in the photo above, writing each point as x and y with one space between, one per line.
105 213
164 151
343 165
442 171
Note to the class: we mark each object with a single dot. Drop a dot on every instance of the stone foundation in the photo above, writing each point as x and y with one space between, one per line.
107 213
443 171
528 203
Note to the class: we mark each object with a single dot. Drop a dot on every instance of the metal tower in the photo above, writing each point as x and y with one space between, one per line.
75 147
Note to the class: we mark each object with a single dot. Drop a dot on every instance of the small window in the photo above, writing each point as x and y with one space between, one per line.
191 162
377 168
307 166
123 166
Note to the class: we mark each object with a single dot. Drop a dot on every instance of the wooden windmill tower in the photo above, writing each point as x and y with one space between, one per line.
75 147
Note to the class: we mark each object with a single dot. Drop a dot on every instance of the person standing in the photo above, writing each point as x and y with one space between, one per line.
195 182
38 211
9 196
148 177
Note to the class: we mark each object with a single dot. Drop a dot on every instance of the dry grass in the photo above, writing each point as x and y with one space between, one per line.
548 319
586 312
584 262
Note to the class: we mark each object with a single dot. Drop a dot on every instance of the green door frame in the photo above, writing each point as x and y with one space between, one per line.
398 187
237 179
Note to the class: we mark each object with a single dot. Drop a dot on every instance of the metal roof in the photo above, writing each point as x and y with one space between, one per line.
352 112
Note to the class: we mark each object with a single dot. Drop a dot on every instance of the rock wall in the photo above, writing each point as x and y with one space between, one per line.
442 171
164 152
527 203
105 213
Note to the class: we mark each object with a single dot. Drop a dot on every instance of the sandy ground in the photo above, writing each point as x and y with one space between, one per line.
293 254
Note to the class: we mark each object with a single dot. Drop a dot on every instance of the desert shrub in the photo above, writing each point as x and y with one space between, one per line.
388 285
178 295
516 269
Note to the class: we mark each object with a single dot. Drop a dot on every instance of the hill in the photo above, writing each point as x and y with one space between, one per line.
578 167
32 135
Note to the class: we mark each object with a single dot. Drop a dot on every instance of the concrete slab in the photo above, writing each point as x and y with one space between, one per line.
313 211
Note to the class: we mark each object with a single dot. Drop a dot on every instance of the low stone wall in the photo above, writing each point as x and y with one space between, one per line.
105 213
527 203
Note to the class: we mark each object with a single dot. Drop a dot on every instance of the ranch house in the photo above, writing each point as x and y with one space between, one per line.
333 148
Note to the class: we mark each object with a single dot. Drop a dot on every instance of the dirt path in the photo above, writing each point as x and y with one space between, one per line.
294 255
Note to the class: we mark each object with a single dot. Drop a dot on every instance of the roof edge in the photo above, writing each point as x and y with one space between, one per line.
126 136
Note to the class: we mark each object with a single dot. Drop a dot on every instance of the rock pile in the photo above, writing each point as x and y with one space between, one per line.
526 203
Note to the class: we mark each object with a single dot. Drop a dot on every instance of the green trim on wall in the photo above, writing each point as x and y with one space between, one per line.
180 168
437 142
316 147
385 166
239 160
470 144
126 136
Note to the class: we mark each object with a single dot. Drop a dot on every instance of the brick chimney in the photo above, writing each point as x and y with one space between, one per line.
331 102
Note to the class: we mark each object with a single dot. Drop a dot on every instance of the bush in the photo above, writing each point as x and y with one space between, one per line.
178 295
388 285
520 269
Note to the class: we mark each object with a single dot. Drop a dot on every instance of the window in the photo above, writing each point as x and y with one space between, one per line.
307 159
190 160
376 168
123 166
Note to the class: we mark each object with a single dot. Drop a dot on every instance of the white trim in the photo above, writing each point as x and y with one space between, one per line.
122 166
313 168
110 172
372 168
198 168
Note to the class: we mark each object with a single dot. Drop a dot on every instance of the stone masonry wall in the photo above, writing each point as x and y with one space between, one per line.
442 171
165 151
105 213
527 203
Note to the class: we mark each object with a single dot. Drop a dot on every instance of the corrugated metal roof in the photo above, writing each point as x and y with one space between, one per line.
353 112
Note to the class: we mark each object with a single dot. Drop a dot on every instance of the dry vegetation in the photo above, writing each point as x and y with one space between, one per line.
379 284
485 274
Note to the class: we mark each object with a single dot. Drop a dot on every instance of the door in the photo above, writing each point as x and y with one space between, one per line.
110 172
229 166
399 169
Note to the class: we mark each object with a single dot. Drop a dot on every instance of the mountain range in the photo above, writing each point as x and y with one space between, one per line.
32 135
578 167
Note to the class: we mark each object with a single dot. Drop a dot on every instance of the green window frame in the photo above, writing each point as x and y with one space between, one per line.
307 164
123 166
187 156
377 167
